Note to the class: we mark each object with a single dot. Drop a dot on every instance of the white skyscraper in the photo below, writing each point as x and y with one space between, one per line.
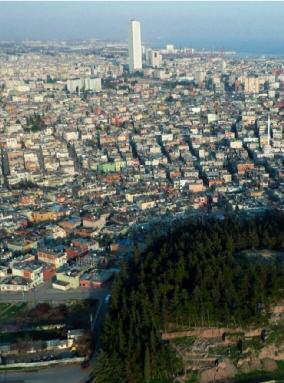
135 49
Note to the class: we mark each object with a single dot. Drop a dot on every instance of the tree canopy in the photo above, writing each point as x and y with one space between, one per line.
197 275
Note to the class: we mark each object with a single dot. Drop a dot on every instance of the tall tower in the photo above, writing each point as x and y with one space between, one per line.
135 49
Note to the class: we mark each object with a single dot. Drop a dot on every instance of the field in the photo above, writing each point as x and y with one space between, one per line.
44 321
72 313
10 310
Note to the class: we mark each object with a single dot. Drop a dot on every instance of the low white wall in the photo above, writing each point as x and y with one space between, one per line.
43 363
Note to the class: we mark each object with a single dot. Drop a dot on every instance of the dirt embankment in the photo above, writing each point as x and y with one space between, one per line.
223 372
208 333
227 371
219 354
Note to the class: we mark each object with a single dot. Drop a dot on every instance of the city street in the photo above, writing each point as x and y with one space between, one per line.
47 293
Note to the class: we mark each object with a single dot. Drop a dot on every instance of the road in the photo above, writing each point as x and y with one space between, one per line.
45 293
54 374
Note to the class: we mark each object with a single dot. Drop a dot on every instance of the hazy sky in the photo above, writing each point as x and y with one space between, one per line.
245 26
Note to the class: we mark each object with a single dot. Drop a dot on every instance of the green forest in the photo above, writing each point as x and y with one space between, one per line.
197 274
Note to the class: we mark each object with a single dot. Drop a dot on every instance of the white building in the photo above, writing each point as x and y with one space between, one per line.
170 48
94 84
200 76
135 49
74 85
88 83
154 58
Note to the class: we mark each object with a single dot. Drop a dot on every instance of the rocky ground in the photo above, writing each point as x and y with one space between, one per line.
231 354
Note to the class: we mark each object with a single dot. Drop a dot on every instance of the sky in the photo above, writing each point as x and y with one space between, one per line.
255 27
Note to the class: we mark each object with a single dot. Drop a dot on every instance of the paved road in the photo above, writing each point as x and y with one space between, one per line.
54 374
42 294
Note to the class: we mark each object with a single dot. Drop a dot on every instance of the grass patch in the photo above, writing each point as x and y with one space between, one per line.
3 307
276 334
10 311
192 377
260 376
186 341
74 314
254 343
4 368
15 309
26 336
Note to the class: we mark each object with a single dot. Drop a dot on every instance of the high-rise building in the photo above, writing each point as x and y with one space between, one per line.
135 49
251 84
200 76
155 59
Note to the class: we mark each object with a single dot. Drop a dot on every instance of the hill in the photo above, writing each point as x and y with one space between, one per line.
196 276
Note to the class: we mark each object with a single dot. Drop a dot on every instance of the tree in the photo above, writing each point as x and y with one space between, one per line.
197 270
147 366
108 369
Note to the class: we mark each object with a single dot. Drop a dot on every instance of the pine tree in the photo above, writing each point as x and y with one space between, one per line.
147 366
